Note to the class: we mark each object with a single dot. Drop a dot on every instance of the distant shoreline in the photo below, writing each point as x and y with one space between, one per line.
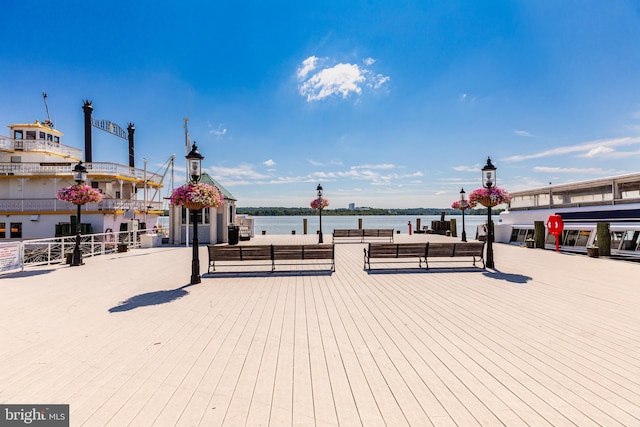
281 211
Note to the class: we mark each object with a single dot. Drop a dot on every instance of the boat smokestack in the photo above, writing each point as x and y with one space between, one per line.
130 131
88 111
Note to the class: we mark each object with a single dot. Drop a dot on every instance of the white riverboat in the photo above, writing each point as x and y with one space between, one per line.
35 164
614 200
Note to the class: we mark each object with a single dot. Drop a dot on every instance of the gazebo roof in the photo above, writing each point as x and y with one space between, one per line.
207 179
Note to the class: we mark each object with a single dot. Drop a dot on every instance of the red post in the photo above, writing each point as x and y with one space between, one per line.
555 225
410 228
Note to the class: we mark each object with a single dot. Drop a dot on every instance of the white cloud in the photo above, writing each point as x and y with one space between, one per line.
596 171
369 61
269 163
381 166
522 133
243 171
598 151
463 168
340 79
314 163
585 148
219 132
308 65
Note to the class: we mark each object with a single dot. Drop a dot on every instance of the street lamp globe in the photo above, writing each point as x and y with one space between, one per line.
194 159
79 173
489 174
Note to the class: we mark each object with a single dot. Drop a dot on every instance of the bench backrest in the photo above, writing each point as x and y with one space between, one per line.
342 232
439 249
241 253
383 232
302 252
396 250
469 249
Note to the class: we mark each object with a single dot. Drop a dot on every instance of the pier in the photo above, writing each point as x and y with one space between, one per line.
545 338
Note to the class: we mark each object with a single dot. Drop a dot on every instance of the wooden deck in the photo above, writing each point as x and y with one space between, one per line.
545 339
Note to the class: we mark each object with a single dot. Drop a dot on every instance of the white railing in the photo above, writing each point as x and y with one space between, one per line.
55 205
57 250
93 168
39 146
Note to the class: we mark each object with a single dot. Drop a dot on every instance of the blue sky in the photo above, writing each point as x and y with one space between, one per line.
386 103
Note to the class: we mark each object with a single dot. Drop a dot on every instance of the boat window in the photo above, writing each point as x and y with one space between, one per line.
17 134
583 237
521 234
616 239
16 230
3 230
551 239
31 134
570 238
56 139
42 136
49 137
630 240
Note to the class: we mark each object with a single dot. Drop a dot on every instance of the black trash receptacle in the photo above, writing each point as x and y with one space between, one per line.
234 232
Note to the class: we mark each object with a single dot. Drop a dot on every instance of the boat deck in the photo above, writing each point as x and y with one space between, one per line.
544 339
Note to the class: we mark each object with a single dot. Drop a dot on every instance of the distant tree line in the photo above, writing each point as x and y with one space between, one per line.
281 211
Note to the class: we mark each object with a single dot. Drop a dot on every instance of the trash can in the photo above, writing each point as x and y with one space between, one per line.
234 232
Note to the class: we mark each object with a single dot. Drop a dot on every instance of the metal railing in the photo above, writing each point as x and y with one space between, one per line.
39 145
55 205
38 252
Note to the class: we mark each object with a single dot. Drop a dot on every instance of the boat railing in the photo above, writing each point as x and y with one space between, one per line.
55 205
94 168
41 146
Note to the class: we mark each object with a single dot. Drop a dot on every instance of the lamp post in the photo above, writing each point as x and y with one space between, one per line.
319 190
80 176
488 181
194 160
463 205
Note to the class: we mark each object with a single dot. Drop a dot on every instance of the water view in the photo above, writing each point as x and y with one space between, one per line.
287 224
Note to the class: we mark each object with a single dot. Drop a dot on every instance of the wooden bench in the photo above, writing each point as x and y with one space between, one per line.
239 253
456 250
362 234
395 250
424 251
272 253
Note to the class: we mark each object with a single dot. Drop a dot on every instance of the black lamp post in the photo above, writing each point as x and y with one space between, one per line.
195 169
80 176
488 181
319 189
463 203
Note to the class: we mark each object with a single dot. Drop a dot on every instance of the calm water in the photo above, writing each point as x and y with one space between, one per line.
286 224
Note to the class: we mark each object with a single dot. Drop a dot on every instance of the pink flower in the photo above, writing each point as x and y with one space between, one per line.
319 203
207 195
80 194
463 205
496 194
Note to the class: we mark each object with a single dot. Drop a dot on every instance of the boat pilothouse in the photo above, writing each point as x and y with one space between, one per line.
35 164
614 200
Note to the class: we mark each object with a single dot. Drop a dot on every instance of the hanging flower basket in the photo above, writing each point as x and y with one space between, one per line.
197 196
319 203
489 197
80 194
463 205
